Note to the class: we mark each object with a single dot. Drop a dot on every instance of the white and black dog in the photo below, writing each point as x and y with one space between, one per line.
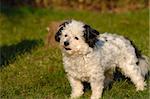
87 55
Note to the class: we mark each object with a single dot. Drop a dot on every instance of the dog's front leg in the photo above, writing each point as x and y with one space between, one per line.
97 85
77 87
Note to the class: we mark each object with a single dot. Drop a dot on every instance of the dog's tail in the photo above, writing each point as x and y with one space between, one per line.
144 63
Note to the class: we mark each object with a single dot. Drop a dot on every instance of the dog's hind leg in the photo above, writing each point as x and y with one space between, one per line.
134 73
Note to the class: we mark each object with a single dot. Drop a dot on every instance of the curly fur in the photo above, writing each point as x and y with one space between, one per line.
88 57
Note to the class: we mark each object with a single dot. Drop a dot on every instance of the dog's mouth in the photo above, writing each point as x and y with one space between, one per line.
67 48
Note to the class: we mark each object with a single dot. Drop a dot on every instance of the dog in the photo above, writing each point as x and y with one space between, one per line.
88 54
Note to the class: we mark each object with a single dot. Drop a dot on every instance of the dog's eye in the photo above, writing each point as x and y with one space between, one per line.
66 35
76 38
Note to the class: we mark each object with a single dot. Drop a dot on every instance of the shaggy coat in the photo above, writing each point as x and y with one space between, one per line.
87 55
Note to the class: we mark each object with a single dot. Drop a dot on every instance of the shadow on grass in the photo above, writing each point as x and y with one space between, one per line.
8 53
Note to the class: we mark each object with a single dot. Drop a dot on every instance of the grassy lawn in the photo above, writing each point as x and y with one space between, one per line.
29 70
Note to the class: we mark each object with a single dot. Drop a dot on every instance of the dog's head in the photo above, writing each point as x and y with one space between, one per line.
76 37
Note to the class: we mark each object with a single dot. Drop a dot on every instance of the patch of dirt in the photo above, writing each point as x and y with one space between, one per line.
52 29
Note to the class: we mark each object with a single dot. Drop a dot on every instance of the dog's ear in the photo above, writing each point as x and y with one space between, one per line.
59 32
90 35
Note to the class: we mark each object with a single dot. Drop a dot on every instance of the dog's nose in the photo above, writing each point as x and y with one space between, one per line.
66 43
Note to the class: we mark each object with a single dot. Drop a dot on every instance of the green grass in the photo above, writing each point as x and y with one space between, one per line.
29 70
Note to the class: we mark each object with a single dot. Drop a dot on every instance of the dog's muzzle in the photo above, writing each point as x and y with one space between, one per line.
66 43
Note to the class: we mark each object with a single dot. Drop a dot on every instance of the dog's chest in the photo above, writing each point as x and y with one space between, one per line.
78 67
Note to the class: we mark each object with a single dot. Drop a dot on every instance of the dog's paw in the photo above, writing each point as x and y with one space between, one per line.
141 87
76 95
95 97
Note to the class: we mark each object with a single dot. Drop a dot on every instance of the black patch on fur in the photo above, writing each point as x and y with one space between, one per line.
59 32
90 36
65 23
137 63
137 51
106 39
